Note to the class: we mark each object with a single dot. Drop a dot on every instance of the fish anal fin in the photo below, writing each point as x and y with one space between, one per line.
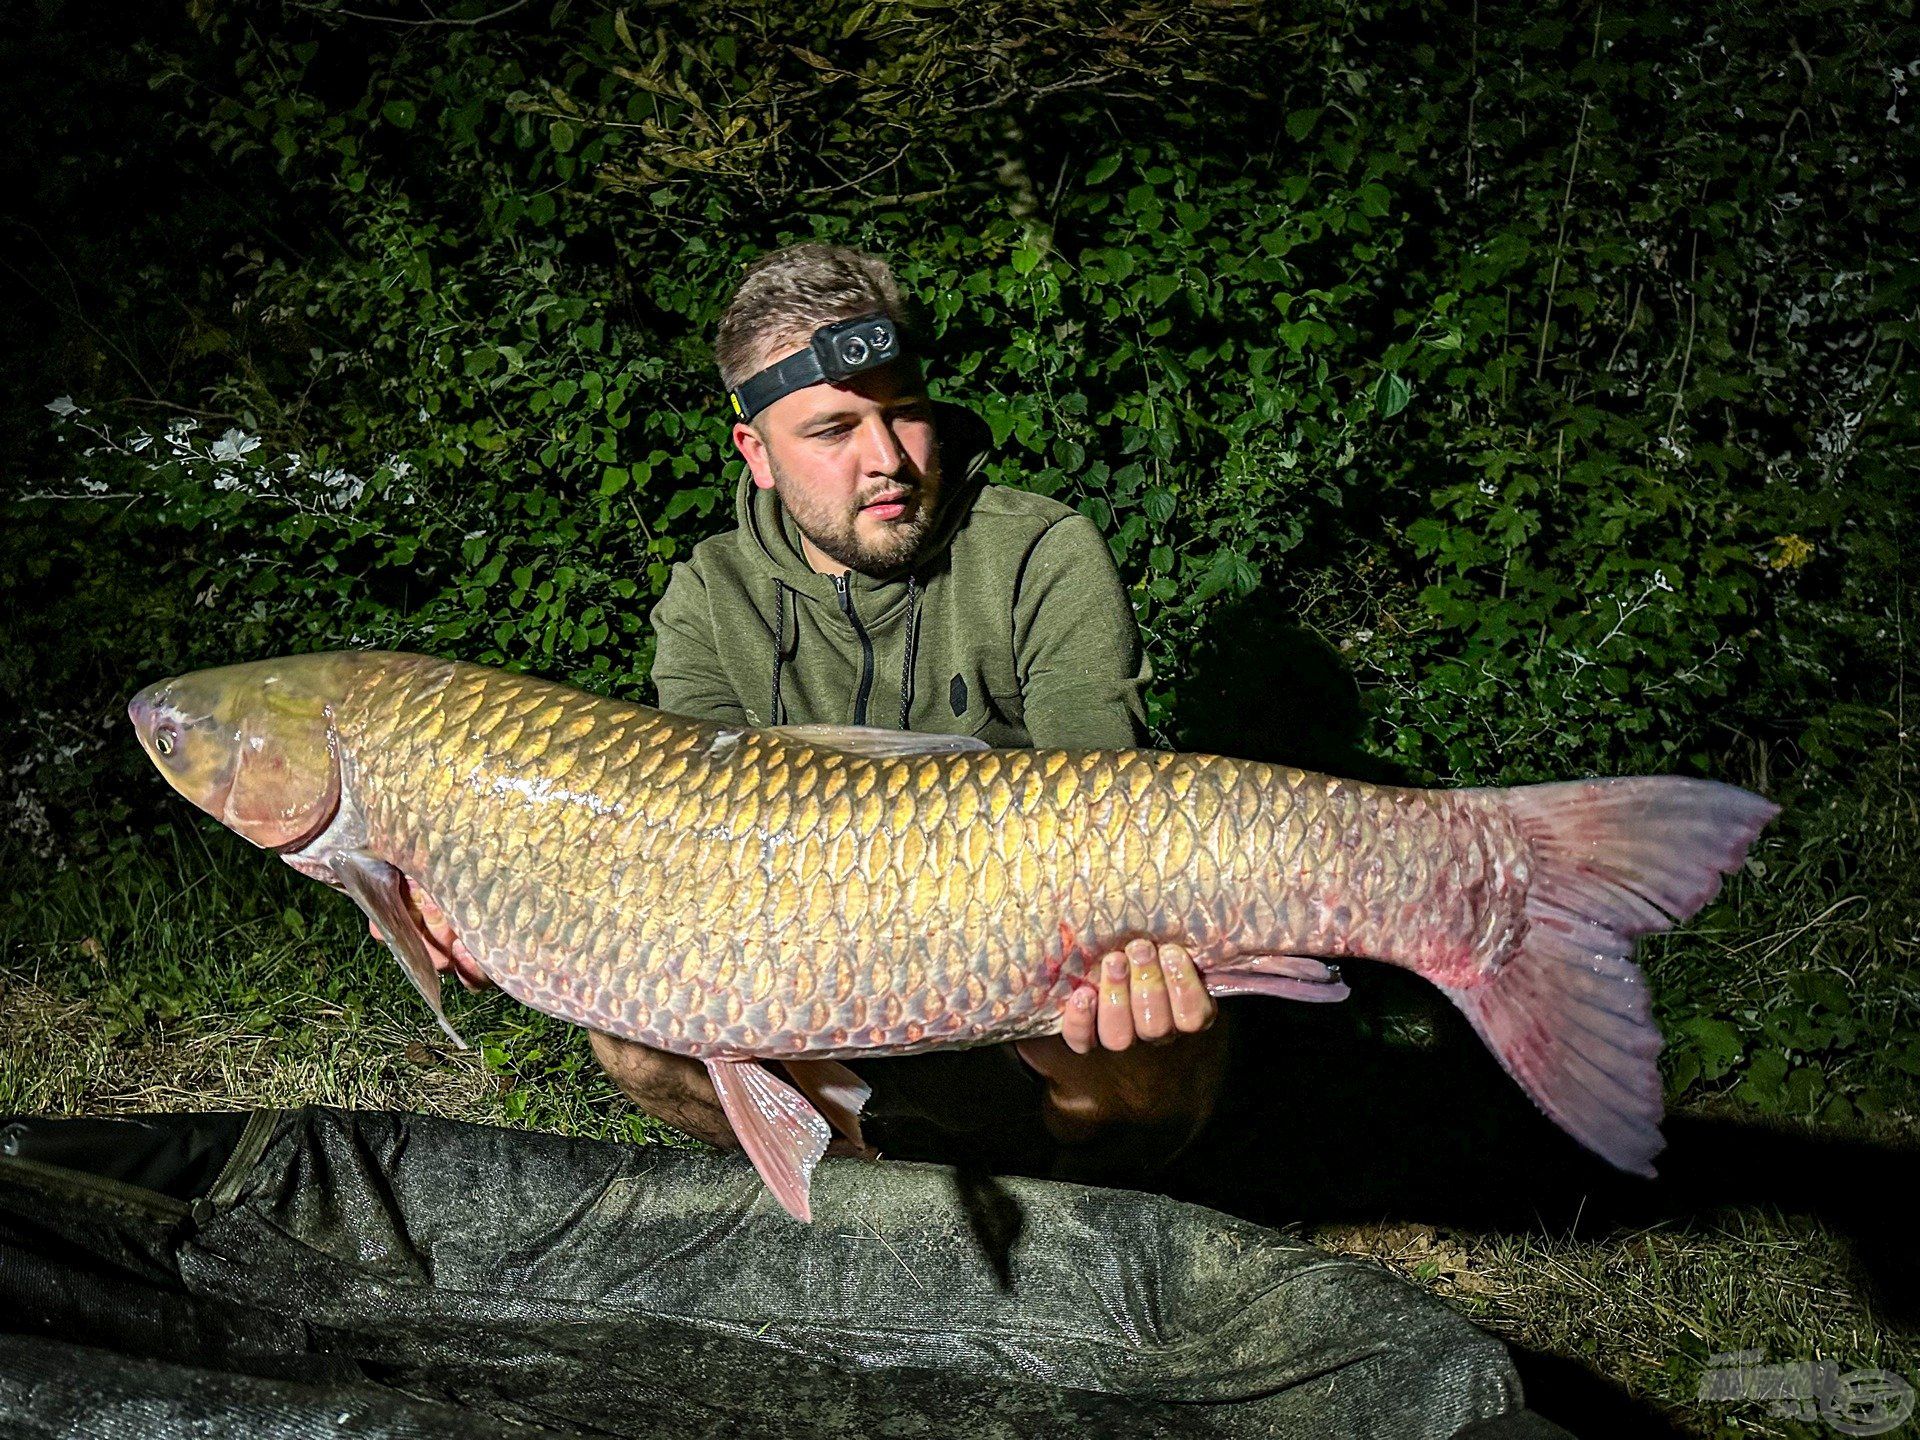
835 1091
381 891
1287 977
781 1132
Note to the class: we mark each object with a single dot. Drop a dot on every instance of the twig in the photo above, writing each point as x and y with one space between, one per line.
394 20
78 313
1693 315
1566 205
1560 243
1473 92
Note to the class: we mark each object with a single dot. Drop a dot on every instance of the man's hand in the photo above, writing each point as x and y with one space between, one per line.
448 950
1094 1084
1143 993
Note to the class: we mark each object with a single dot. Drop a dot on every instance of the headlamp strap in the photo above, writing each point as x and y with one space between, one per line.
836 351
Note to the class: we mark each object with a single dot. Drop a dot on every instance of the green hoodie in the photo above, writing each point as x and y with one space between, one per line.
1012 625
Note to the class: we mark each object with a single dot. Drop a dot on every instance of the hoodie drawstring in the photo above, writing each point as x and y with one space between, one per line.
777 713
913 639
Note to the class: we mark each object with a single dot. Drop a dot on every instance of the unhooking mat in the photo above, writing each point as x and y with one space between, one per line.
315 1272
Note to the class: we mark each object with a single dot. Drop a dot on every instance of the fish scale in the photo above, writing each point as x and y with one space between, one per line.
811 894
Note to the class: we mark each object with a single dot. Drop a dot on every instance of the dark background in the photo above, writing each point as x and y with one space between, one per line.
1472 394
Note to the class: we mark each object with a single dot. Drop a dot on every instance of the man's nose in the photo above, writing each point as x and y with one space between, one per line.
881 450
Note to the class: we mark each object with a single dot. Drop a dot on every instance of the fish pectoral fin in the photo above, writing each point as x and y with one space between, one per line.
314 870
836 1093
782 1133
1290 977
381 891
879 744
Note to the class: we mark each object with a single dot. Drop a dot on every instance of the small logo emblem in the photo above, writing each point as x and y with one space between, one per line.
957 695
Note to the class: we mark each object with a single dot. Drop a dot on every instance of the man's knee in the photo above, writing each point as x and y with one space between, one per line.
668 1087
1158 1094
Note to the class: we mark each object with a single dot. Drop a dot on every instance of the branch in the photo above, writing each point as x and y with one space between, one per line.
394 20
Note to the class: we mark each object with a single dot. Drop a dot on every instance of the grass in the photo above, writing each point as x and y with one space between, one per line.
186 972
194 974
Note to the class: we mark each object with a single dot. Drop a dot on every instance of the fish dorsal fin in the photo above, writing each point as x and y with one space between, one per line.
876 743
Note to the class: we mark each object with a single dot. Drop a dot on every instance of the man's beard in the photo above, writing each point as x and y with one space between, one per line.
834 532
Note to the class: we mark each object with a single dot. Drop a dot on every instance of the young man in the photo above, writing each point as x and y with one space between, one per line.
875 580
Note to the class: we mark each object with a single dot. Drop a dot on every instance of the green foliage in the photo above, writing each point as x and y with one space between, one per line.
1554 364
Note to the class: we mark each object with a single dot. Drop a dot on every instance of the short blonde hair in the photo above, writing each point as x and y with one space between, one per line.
789 293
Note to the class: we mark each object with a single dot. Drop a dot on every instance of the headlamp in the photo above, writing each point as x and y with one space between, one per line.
836 351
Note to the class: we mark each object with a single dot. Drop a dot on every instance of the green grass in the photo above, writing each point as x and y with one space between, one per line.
191 972
186 971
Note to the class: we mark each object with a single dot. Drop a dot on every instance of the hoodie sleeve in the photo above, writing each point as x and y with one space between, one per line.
1077 644
687 672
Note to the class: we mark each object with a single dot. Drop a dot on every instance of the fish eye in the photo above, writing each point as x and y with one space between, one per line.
163 739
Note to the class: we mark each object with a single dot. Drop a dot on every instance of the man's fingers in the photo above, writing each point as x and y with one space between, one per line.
1152 1015
1080 1019
1193 1008
1116 1006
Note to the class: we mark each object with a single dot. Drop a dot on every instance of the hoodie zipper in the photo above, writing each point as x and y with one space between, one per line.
844 590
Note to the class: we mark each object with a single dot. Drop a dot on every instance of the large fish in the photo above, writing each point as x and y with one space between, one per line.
813 893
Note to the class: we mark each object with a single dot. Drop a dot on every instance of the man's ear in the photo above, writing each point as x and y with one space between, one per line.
753 450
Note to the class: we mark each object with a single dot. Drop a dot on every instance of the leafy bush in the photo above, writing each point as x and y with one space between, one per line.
1554 365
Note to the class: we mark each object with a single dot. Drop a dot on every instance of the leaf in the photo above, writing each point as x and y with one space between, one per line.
1000 422
1391 395
399 113
818 62
1719 1043
1300 123
1102 169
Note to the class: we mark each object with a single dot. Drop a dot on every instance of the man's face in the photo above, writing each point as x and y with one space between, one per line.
855 464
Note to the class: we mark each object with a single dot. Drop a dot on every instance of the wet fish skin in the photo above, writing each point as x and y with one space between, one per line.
747 894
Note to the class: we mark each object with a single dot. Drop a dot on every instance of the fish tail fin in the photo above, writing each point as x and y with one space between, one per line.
1568 1013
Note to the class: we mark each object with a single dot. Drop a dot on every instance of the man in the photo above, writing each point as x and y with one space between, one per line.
874 581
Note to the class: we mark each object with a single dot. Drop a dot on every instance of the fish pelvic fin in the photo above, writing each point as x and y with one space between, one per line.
781 1132
1288 977
380 890
1568 1013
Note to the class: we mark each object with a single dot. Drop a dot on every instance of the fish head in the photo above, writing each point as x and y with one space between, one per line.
253 745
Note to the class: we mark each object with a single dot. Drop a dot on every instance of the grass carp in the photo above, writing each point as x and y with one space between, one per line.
807 894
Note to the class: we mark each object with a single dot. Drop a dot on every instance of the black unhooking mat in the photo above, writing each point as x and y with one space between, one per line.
314 1272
